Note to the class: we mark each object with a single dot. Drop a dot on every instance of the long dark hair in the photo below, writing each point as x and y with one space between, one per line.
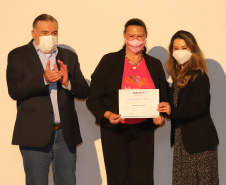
195 65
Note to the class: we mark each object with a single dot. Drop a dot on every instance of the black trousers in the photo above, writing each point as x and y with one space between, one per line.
129 153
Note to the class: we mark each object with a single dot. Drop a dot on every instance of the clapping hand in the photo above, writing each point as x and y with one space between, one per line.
52 76
64 74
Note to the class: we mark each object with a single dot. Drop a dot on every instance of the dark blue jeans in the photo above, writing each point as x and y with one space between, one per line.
37 162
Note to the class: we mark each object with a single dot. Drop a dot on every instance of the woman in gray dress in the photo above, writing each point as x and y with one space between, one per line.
193 133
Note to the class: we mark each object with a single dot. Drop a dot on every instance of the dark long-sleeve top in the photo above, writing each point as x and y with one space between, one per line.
192 114
107 78
34 122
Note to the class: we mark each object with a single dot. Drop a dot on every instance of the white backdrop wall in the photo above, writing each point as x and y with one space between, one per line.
92 29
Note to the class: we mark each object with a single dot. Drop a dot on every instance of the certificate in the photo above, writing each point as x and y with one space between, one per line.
138 103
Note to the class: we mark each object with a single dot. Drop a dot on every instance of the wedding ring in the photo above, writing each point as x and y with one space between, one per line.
164 108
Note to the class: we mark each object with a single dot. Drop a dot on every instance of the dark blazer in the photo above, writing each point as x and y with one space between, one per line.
107 79
193 116
34 122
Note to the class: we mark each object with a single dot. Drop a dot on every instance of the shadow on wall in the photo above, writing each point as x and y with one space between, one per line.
88 171
161 54
163 153
217 109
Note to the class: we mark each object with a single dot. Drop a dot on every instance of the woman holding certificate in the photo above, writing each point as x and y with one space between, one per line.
128 143
193 133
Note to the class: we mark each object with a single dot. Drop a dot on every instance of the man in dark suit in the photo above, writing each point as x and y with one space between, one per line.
44 79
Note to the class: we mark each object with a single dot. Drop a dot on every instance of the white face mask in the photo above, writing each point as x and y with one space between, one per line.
47 43
182 56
